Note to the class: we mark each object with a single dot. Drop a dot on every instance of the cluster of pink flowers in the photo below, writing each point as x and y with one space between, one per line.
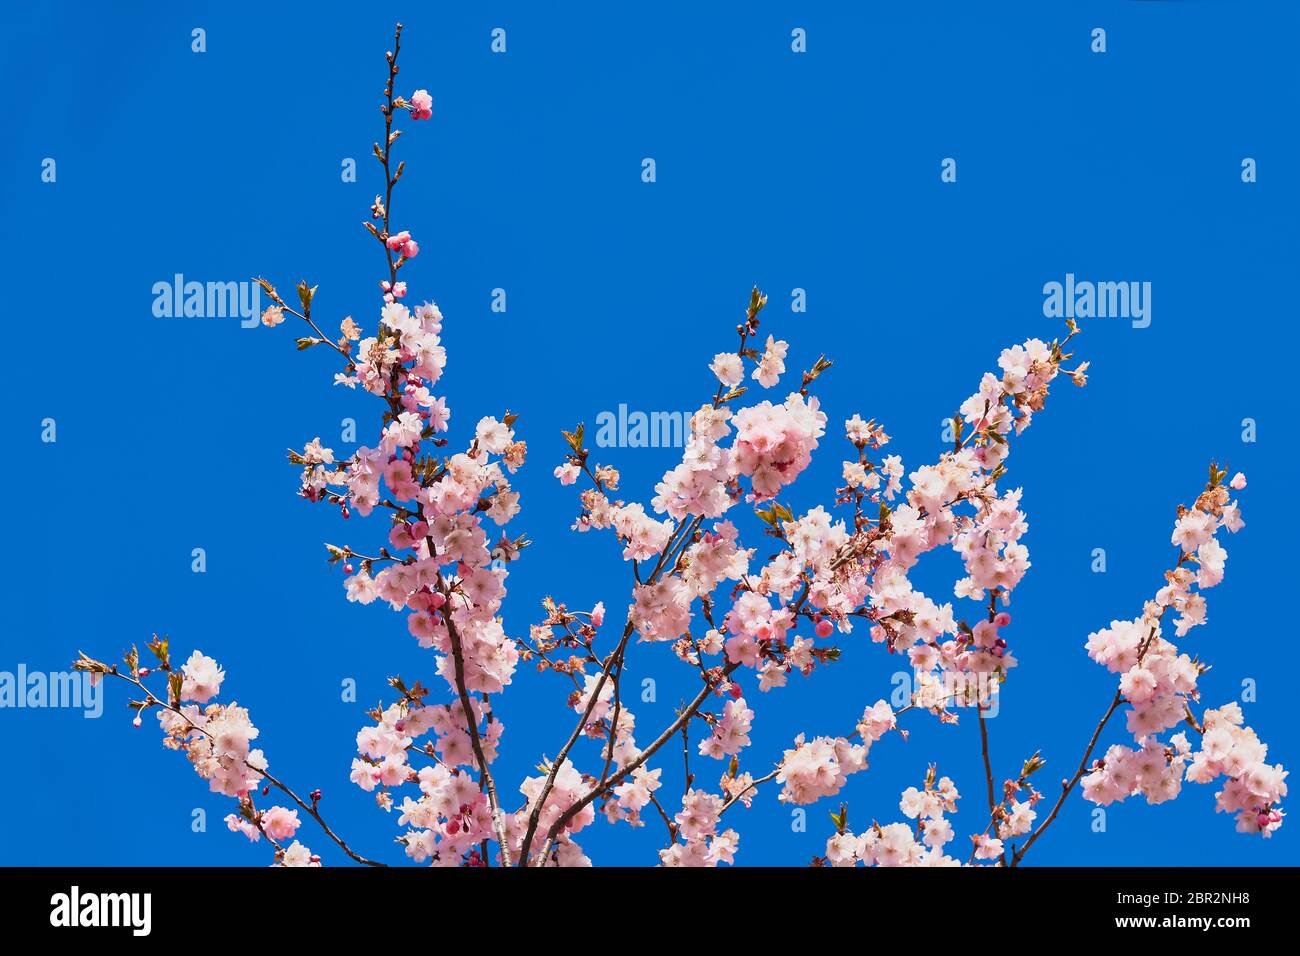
818 768
450 816
774 443
902 844
278 823
403 245
1155 770
217 741
612 725
730 732
1253 787
632 796
1159 685
715 558
700 484
943 651
569 787
448 820
702 844
217 738
661 611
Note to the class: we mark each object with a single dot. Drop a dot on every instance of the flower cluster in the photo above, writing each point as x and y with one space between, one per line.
215 737
1254 787
448 820
901 844
774 443
820 767
731 732
278 823
567 788
702 844
1159 685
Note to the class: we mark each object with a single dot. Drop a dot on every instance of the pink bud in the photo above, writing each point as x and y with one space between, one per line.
1002 619
437 600
824 629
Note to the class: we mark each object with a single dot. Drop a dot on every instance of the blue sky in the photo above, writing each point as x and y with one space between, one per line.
817 171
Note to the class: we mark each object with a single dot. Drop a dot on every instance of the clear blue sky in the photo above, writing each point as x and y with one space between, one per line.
818 171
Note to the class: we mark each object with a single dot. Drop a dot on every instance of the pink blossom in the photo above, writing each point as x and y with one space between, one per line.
280 823
421 105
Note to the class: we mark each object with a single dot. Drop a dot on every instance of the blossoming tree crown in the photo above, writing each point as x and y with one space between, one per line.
841 569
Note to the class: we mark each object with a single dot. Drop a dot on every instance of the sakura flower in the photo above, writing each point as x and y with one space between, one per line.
298 855
492 435
421 105
203 678
729 368
731 732
280 823
772 363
